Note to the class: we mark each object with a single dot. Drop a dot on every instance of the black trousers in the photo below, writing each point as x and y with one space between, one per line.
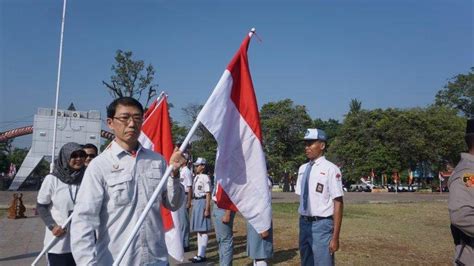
65 259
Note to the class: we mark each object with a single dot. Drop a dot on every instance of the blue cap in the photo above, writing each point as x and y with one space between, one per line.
315 134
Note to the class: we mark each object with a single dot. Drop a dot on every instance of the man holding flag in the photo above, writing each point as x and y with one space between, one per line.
231 115
114 191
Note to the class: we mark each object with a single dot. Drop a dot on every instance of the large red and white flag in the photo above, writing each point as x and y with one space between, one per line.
231 115
156 135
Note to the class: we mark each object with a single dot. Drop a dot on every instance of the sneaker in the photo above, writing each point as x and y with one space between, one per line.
199 259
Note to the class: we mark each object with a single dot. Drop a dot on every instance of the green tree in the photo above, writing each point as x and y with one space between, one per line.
394 139
17 156
458 94
6 146
179 132
131 78
355 106
331 127
283 126
203 143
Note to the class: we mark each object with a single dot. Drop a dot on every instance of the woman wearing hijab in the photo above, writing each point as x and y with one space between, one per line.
56 200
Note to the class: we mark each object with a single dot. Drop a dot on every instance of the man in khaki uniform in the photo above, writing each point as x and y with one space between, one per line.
461 202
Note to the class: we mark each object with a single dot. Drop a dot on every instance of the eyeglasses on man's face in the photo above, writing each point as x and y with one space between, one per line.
127 118
91 155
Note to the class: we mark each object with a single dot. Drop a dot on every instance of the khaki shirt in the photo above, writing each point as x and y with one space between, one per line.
461 205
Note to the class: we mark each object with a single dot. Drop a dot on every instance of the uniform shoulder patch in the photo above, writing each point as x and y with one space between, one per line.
338 176
468 179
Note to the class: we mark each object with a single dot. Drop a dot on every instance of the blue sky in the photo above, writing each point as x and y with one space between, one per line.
320 54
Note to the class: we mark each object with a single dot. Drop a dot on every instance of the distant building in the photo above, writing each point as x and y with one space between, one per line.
72 126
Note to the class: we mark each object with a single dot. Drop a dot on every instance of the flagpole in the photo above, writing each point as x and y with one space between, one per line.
57 88
52 242
158 189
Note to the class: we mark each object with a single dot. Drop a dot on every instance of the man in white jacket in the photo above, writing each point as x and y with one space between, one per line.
114 192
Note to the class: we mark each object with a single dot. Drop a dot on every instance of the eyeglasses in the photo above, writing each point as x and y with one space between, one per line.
78 154
91 155
126 118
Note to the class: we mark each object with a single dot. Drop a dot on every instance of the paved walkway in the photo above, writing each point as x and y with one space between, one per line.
21 240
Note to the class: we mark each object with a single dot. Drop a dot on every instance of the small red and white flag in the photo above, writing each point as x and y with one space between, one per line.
231 115
156 135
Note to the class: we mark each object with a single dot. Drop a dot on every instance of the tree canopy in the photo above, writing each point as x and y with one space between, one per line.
283 126
395 139
131 78
203 143
459 94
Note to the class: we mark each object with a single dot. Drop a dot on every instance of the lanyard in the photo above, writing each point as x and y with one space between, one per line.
75 195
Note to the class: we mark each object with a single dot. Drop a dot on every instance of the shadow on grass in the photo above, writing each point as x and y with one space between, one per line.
286 255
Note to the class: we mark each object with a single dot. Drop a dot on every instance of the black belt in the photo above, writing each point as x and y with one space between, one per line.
314 218
461 238
202 197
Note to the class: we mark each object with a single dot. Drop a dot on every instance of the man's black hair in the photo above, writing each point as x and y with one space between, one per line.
125 101
91 146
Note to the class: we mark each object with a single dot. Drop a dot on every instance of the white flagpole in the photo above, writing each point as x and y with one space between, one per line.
57 88
160 98
52 242
158 189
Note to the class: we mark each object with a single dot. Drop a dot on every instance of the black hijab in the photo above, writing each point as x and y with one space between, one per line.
61 165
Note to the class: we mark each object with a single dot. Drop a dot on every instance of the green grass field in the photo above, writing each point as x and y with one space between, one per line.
372 234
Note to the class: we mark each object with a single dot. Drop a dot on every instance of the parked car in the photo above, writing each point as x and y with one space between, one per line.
360 188
402 188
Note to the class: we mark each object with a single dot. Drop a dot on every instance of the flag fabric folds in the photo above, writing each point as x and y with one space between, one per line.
231 115
156 135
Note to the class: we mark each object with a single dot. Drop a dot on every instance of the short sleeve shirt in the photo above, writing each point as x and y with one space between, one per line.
325 184
202 185
186 178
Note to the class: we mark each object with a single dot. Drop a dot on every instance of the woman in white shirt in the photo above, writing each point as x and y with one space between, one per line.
56 200
201 214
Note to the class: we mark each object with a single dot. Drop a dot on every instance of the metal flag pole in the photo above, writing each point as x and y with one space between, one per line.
57 88
158 189
52 242
159 99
